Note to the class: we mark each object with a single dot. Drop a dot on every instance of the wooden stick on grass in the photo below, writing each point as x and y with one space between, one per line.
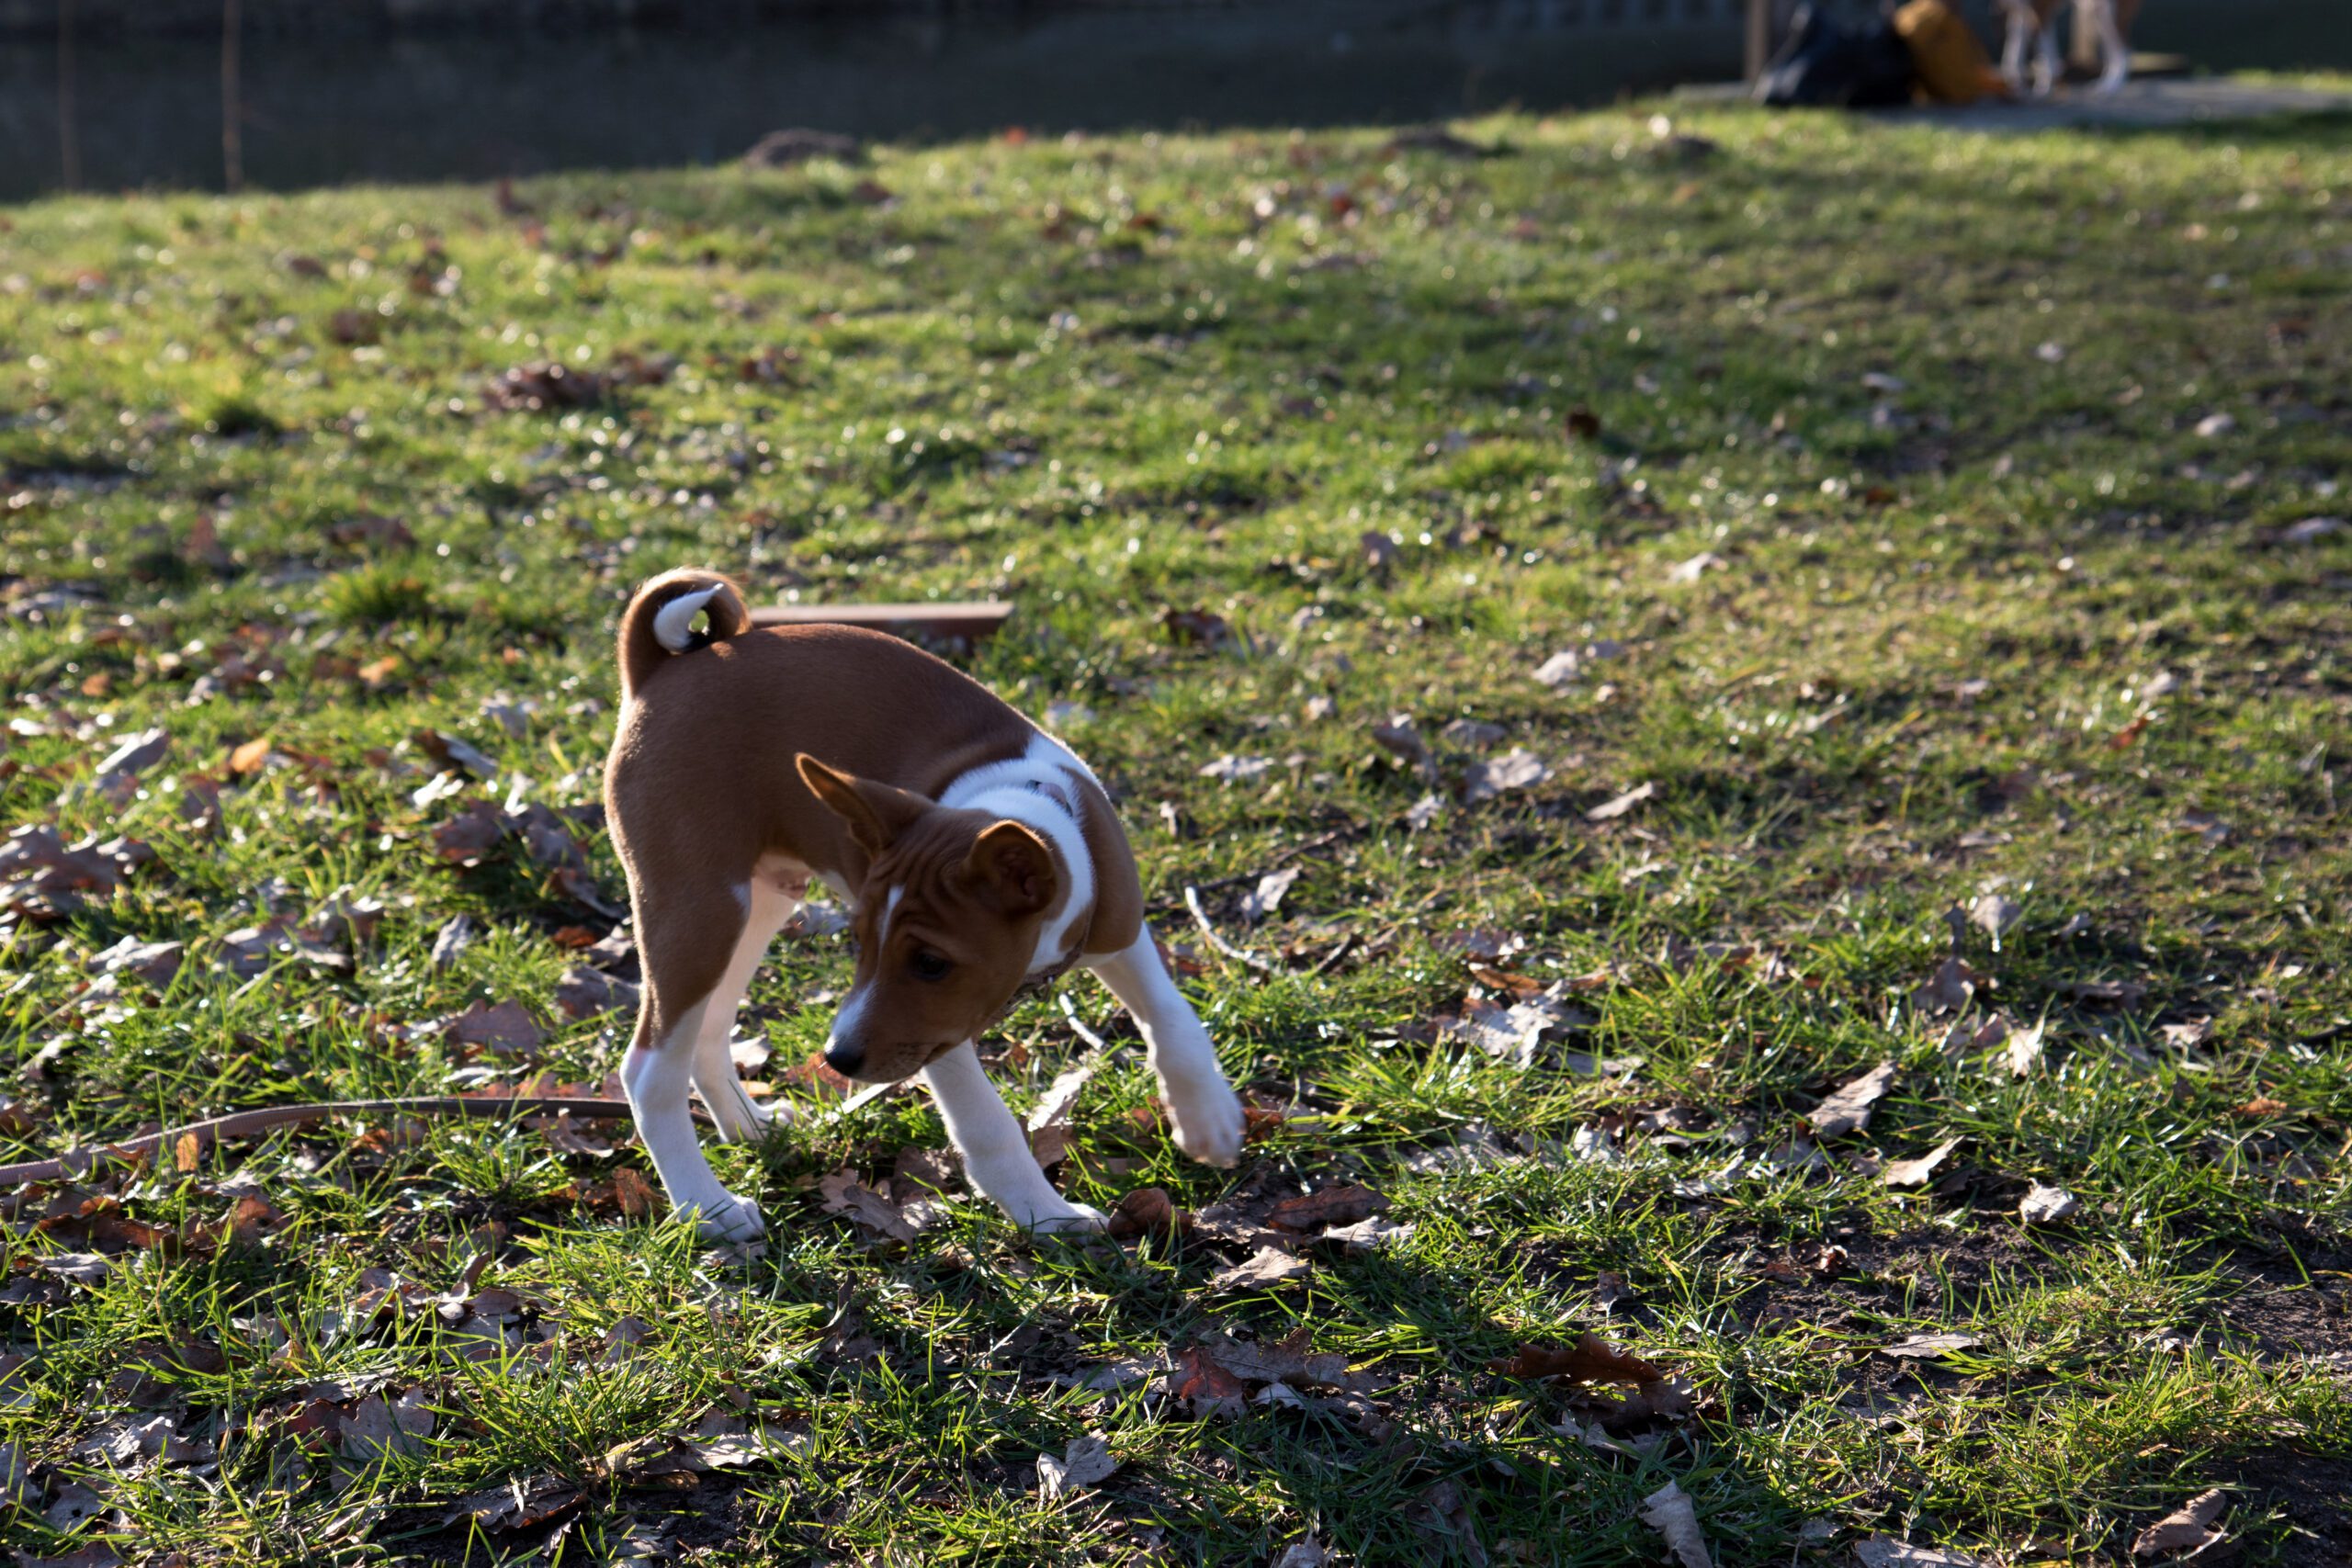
244 1123
1242 956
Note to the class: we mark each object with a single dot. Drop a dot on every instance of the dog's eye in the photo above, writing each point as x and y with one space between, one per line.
928 965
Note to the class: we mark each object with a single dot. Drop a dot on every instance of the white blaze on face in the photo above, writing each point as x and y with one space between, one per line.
848 1022
849 1019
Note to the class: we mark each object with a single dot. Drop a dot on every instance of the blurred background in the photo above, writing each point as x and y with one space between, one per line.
105 95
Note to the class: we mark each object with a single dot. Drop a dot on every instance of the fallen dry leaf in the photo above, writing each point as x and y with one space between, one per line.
1061 1098
1340 1204
2117 993
843 1194
1196 628
1367 1235
583 992
1269 1268
1236 770
1915 1172
451 941
1928 1346
1290 1361
1401 739
1516 769
2188 1529
1514 1033
637 1197
2022 1050
1994 914
1563 669
374 1429
1669 1512
1609 810
518 1504
452 750
42 878
2048 1205
1946 990
1472 734
83 1268
1267 897
728 1444
1848 1110
1086 1461
1147 1210
506 1026
135 755
1443 1515
1885 1552
1590 1360
154 962
1206 1388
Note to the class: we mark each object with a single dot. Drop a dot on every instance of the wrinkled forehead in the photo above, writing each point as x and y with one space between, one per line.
920 874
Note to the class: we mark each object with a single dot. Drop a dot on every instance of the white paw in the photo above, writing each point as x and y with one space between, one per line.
1074 1219
731 1220
1208 1123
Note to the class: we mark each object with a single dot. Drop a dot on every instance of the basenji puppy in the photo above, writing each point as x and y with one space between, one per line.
2033 25
974 854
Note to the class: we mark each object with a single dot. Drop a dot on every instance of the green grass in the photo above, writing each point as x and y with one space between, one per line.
2007 622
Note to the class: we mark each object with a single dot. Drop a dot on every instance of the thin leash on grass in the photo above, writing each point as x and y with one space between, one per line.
244 1123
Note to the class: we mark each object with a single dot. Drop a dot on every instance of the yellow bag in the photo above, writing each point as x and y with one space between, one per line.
1953 66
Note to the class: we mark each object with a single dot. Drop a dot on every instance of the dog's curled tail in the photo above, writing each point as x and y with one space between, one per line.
658 623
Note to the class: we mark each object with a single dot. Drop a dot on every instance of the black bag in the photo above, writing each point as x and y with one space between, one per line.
1827 65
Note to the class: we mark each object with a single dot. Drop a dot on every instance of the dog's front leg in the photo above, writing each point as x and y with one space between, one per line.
2021 25
997 1160
2112 44
1206 1111
2047 72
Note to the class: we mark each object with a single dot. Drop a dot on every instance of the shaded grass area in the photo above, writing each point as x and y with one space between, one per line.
1932 521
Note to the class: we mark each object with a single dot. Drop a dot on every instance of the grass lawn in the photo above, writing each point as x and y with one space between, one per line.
1705 616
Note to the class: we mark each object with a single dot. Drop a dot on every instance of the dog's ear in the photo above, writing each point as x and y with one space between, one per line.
877 813
1012 867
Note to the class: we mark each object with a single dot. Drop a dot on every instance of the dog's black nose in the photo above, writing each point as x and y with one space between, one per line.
844 1059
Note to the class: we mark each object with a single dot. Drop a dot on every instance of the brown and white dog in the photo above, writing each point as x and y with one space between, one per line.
976 854
2033 25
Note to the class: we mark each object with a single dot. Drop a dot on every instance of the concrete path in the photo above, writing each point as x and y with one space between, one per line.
2151 101
2158 101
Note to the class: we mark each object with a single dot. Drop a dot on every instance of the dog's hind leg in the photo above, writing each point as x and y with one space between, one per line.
740 1118
688 939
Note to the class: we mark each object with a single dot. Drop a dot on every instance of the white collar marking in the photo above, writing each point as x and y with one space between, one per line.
1037 789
